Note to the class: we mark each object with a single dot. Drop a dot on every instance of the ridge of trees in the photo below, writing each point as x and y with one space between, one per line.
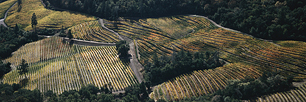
164 68
269 19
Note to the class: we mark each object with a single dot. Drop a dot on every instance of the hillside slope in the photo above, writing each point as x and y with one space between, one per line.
248 56
46 18
58 66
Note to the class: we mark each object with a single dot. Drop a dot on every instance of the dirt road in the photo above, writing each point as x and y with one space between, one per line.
2 20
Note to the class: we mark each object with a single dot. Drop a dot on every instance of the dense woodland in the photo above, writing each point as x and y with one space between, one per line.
12 39
179 63
269 19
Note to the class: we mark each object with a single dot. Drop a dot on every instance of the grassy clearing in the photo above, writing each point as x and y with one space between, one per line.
46 18
4 6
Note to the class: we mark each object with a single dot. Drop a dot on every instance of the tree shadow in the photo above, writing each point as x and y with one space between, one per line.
23 82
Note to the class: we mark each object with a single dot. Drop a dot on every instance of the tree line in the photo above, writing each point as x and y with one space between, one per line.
88 93
164 68
269 19
250 88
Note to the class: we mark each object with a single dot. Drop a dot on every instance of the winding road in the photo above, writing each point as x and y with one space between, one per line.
2 20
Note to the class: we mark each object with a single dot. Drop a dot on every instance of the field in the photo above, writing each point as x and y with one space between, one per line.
4 6
59 67
197 34
93 31
46 18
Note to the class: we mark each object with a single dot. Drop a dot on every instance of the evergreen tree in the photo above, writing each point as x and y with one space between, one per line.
23 68
16 29
122 48
19 2
34 21
69 34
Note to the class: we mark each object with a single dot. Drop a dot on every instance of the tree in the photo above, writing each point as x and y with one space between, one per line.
19 2
118 44
69 34
122 48
16 29
34 21
23 68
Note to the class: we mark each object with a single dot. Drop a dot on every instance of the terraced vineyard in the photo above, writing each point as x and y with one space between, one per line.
202 82
295 95
154 37
93 31
57 66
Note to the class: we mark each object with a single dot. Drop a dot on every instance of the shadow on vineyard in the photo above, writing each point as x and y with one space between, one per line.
23 82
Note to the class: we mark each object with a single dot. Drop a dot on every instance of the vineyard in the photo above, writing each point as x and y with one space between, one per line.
202 82
93 31
295 95
198 34
154 35
57 66
234 47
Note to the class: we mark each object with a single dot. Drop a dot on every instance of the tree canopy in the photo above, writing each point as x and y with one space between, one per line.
11 40
69 34
122 48
164 68
4 68
34 21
